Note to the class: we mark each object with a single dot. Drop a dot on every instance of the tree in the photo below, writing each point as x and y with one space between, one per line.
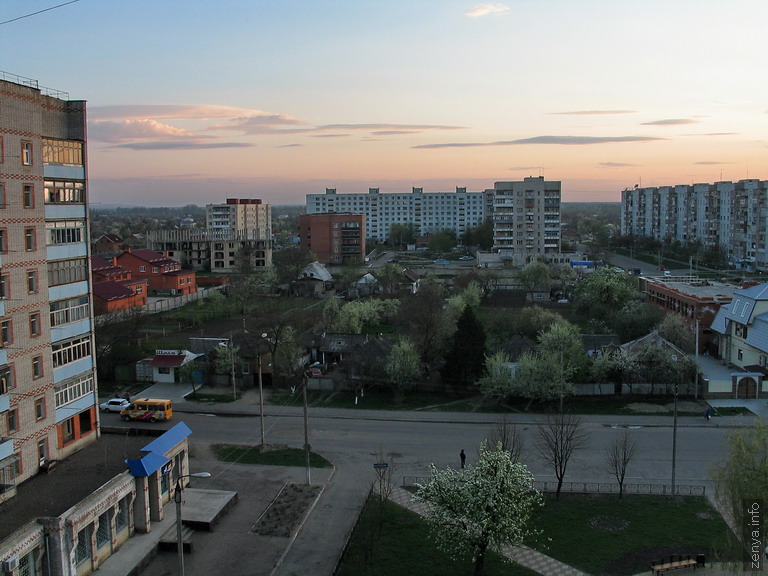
508 436
677 331
534 275
400 234
618 457
480 236
741 482
559 438
353 317
563 340
442 241
290 261
389 277
497 381
428 320
483 507
636 318
539 377
403 366
602 293
466 357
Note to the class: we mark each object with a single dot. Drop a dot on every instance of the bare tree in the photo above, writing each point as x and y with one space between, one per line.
618 457
559 437
510 438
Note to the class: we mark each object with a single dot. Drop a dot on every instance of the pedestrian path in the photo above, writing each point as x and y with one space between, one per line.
522 555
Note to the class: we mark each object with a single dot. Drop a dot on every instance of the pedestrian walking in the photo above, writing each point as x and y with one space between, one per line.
463 457
708 413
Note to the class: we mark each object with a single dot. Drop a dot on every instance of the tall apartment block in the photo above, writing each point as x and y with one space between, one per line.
238 235
47 369
731 216
429 212
334 238
526 219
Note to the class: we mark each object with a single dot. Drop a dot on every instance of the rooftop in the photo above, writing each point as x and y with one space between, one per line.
696 287
70 481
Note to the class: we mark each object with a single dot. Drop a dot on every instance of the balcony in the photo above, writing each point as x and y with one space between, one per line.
6 448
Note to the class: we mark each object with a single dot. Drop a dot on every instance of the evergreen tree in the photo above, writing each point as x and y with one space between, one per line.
465 360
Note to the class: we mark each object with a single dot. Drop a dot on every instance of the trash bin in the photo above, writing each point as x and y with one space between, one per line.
700 560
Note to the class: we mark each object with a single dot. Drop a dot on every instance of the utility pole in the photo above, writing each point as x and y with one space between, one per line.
306 429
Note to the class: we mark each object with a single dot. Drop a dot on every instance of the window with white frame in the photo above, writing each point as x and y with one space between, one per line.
64 232
27 155
28 196
67 271
67 352
69 310
71 390
64 192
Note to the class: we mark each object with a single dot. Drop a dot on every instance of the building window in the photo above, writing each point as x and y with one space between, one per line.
39 408
5 332
142 268
34 324
26 153
104 531
71 351
123 514
67 271
29 196
42 449
2 194
5 286
155 270
32 281
68 430
64 192
37 367
3 240
83 549
71 310
72 390
13 420
29 239
64 232
740 354
64 152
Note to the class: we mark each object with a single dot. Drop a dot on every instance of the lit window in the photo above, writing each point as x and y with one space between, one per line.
26 153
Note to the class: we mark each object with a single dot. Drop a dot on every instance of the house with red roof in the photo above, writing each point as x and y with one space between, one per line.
108 244
113 287
163 274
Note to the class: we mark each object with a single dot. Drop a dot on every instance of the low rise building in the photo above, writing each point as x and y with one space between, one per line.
163 274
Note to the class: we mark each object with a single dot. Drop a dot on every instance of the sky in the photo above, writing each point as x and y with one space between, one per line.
193 102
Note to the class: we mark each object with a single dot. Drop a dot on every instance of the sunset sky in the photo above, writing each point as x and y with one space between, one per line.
192 102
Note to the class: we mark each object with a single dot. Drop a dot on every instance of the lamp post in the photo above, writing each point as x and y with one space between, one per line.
177 499
261 392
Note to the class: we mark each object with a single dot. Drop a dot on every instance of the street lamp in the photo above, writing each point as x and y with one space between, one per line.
177 499
261 391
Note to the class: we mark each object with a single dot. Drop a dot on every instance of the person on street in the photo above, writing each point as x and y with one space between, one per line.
463 458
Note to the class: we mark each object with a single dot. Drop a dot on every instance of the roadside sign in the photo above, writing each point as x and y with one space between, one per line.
380 465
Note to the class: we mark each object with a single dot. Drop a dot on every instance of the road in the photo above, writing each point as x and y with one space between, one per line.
412 441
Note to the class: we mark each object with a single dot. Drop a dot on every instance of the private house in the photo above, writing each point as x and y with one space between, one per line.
114 289
164 275
314 280
743 344
108 244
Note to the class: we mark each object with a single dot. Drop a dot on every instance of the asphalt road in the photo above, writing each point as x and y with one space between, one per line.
410 441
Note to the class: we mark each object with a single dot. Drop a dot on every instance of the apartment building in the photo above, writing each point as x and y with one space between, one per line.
525 214
731 216
47 368
429 212
526 219
237 238
334 238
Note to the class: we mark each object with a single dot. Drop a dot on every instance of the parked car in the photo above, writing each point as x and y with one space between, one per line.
314 373
114 405
465 258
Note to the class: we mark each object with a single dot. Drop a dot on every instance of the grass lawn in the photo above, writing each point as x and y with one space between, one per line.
601 534
277 457
402 547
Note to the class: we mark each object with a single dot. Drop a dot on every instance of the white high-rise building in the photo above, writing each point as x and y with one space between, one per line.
730 216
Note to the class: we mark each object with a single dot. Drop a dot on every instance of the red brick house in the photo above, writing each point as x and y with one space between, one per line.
108 244
114 289
164 274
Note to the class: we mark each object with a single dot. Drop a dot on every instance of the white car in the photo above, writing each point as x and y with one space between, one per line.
114 405
465 258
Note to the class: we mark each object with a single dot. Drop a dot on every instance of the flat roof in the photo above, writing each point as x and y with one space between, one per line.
70 481
699 288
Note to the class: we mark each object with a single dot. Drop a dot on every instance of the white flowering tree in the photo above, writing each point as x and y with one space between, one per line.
484 507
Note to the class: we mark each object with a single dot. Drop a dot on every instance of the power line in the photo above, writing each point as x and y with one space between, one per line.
38 12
